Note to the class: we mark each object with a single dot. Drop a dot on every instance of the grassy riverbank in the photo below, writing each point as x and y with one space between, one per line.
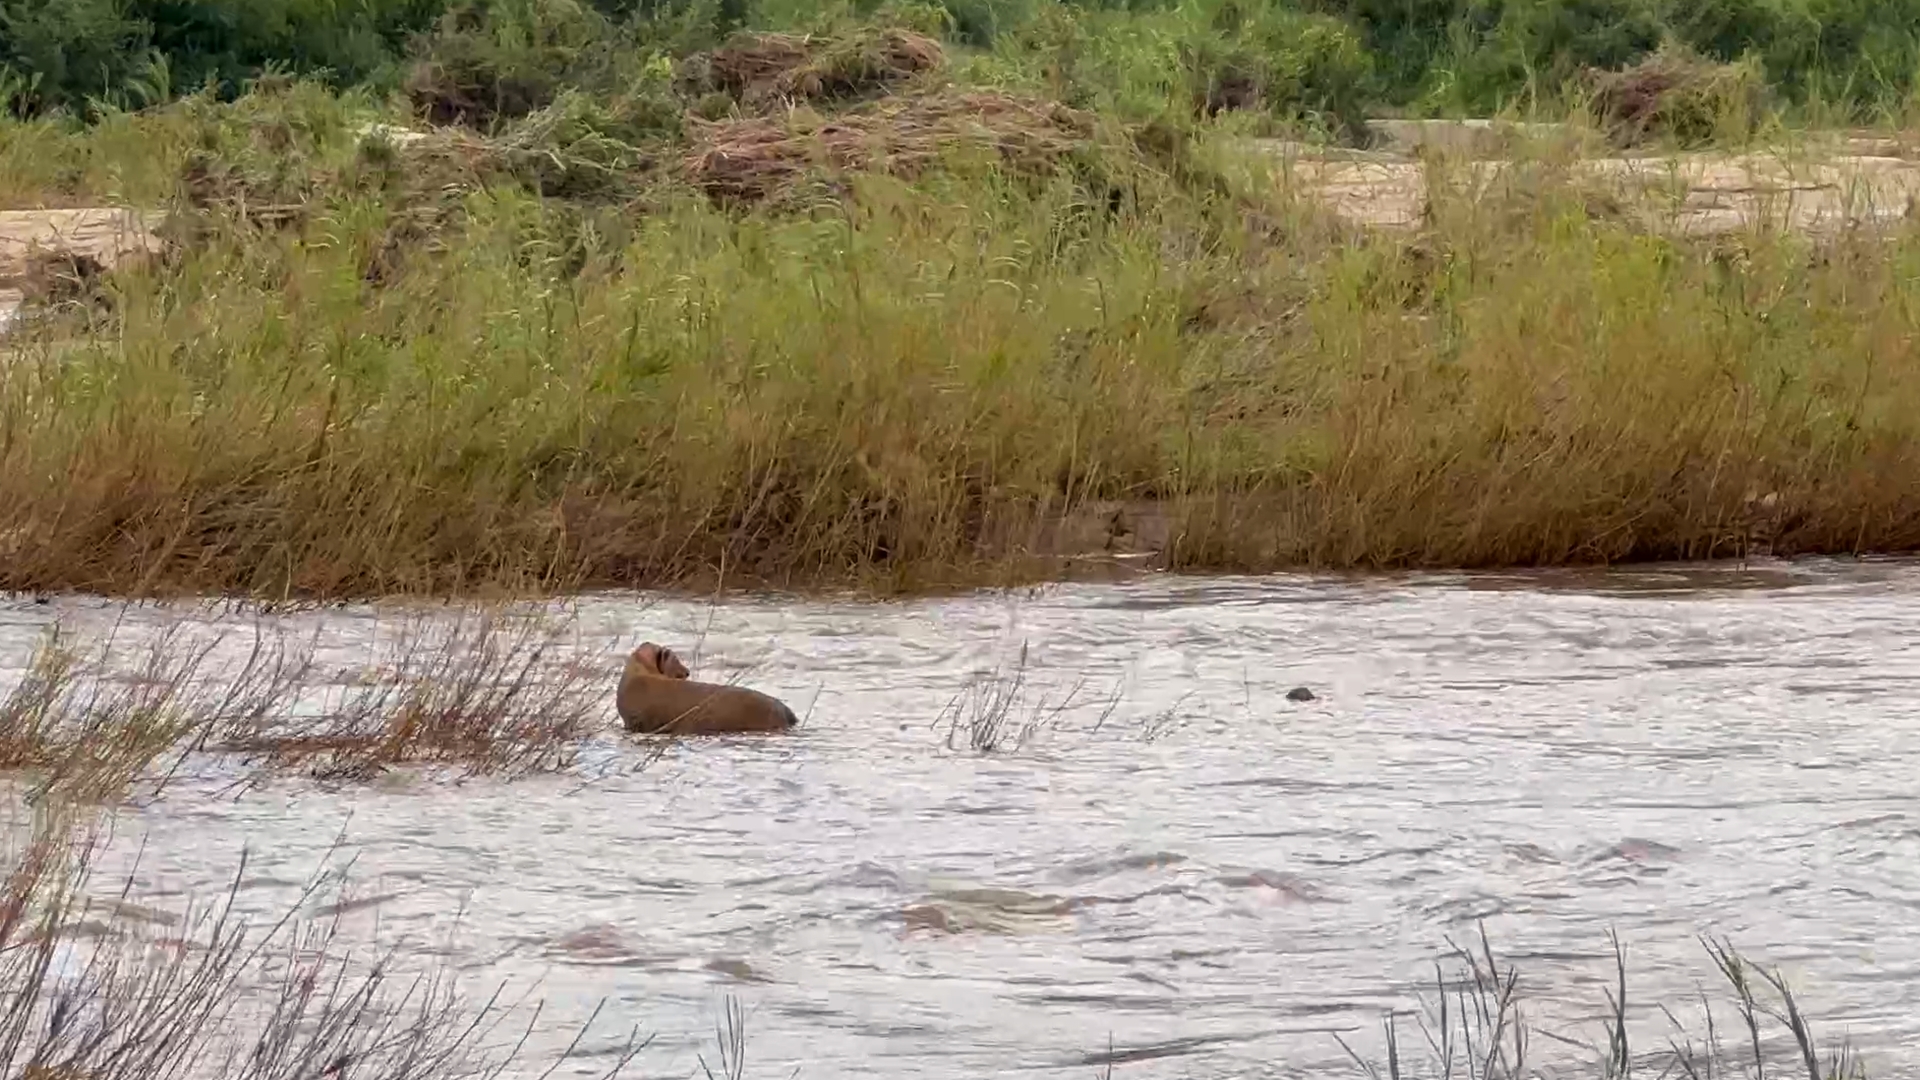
592 339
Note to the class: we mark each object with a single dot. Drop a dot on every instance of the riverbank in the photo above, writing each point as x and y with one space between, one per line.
923 334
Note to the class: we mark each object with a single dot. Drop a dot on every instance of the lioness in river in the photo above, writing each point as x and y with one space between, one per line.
656 697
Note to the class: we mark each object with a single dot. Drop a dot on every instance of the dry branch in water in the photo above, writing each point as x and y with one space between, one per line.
94 732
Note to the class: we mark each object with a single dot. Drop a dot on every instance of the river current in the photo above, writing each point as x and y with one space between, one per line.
1181 871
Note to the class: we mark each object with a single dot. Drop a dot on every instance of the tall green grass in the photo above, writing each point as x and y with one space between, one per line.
916 385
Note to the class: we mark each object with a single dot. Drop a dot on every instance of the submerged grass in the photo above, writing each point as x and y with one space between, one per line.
95 731
481 693
993 712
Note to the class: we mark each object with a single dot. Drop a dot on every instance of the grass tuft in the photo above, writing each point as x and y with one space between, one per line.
992 712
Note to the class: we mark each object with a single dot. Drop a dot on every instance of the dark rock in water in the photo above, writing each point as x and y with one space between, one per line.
1300 693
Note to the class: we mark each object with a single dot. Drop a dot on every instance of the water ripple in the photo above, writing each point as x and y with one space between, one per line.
1212 881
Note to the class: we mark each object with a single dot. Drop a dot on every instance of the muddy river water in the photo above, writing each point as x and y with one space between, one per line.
1181 868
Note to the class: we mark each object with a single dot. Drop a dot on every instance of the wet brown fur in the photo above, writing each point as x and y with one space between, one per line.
657 697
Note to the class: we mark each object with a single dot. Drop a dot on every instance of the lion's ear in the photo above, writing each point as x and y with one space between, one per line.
671 666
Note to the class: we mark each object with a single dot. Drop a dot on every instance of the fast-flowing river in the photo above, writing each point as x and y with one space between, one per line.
1182 869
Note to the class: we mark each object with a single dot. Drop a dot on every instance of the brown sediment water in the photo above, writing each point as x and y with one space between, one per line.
1180 864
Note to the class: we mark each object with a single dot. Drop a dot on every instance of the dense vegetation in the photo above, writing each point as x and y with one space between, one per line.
1338 56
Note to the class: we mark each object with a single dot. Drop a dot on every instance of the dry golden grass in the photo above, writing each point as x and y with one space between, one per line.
767 70
757 158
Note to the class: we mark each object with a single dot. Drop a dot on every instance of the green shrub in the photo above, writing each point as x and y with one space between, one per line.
60 52
1408 38
1863 53
1290 64
1201 58
1534 47
981 22
503 59
1729 29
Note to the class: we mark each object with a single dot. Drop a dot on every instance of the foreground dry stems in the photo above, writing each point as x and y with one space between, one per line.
1474 1023
225 997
